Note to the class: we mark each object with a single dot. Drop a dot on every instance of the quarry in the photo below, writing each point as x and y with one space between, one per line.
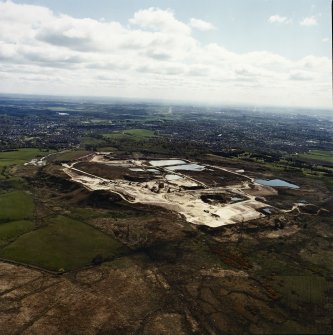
204 194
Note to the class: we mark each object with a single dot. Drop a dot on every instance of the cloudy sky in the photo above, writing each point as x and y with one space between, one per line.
263 52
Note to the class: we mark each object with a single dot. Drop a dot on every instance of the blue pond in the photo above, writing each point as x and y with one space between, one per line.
276 182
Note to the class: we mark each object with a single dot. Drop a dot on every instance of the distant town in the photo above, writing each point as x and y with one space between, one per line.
58 124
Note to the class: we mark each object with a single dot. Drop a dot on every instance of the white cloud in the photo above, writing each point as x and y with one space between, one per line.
325 40
155 56
308 21
300 75
278 19
201 24
159 20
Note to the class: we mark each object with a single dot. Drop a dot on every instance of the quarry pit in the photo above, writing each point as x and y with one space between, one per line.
206 195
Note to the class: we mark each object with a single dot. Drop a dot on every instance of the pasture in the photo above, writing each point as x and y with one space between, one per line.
62 245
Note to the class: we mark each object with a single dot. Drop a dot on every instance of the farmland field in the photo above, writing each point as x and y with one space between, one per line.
68 155
88 140
9 231
17 205
19 156
63 244
135 134
318 155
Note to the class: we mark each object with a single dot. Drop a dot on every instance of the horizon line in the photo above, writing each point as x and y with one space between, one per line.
166 101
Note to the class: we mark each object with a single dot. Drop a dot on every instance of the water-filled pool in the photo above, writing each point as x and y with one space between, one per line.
276 183
166 162
187 167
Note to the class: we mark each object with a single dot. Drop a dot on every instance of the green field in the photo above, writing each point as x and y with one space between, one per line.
17 205
9 231
92 141
317 155
135 134
63 244
19 156
68 155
